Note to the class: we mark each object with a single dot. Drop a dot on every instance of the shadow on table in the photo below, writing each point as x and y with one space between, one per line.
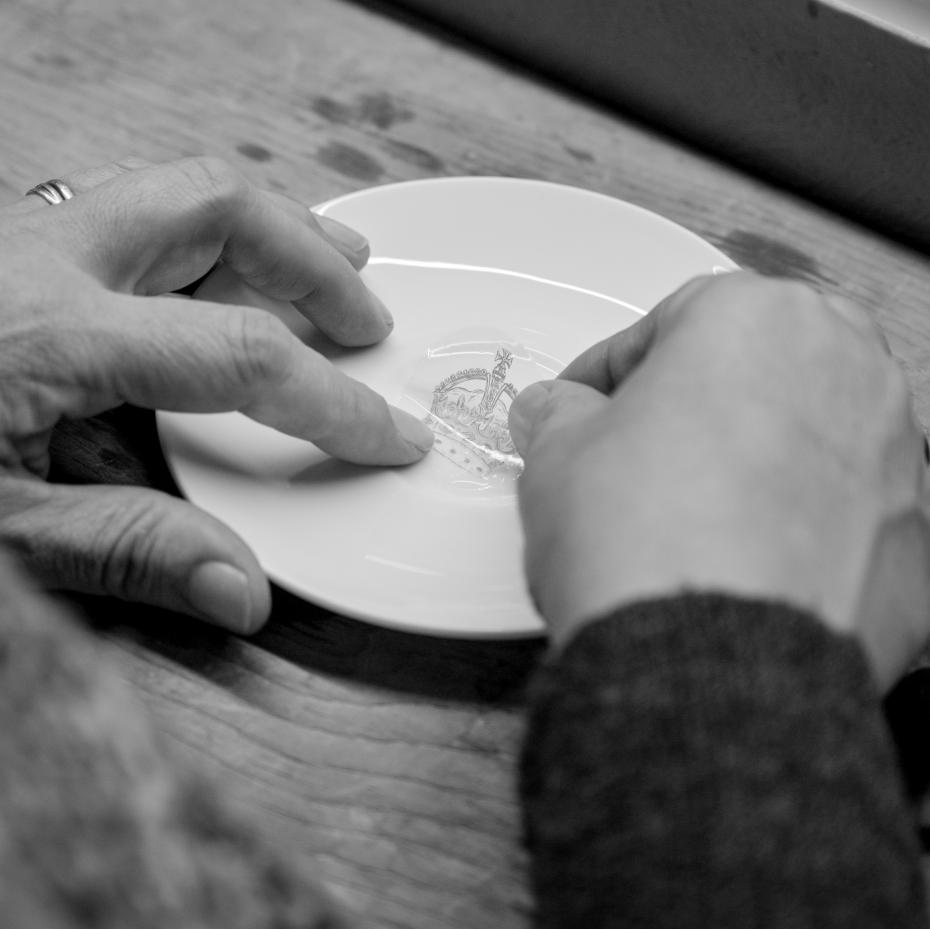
121 447
323 643
495 671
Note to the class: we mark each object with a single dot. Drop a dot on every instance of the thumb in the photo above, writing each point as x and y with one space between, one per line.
135 544
547 408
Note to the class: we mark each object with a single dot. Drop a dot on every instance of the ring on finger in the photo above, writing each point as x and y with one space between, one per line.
53 192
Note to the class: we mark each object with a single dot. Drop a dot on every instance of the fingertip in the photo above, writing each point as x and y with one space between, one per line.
225 595
524 412
542 412
414 432
348 241
260 590
386 317
355 317
90 539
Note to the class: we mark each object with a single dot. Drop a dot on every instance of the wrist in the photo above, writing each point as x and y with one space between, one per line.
731 543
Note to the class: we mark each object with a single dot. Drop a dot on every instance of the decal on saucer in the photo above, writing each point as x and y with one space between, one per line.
469 416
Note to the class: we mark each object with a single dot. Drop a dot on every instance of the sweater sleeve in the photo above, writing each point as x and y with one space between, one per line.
708 761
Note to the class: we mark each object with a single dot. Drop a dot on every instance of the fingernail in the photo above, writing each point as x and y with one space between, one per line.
415 431
343 234
383 310
221 593
524 412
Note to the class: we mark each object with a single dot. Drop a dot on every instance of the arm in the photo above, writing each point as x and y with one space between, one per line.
713 761
710 760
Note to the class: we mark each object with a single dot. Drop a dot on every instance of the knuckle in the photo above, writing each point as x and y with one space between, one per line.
214 184
725 296
112 169
768 300
127 548
343 405
261 346
788 295
131 162
849 308
46 305
357 404
776 289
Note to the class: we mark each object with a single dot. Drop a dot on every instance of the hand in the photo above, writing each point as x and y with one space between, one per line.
83 329
748 436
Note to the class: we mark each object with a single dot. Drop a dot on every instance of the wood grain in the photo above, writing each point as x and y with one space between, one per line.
384 760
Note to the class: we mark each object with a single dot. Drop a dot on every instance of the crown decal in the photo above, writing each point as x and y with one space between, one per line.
469 414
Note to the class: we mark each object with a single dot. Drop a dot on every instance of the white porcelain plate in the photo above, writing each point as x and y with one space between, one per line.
494 283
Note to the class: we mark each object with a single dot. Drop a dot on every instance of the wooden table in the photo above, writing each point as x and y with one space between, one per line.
385 760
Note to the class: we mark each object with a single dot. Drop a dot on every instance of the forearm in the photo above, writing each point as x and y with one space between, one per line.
709 761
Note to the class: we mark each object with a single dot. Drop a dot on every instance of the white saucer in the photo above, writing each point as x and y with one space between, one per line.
468 266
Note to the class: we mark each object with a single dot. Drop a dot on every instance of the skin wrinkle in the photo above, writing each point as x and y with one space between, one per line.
123 556
80 335
742 373
266 349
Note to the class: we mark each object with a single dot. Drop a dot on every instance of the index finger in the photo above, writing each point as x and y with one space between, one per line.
608 363
162 353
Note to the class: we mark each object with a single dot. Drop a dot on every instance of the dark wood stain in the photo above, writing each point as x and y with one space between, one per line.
414 155
382 110
350 161
516 171
255 152
377 109
331 110
579 154
771 257
55 59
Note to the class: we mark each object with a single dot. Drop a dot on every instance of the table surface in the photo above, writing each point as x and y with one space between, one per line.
384 760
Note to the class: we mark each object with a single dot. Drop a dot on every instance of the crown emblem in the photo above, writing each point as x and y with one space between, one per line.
469 415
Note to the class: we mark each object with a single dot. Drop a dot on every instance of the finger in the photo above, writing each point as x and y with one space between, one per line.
135 544
87 179
607 364
164 353
545 410
157 229
348 241
225 287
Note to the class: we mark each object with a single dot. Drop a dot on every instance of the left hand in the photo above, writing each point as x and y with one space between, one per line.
83 328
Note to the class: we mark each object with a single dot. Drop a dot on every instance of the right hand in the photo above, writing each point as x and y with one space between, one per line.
83 328
748 436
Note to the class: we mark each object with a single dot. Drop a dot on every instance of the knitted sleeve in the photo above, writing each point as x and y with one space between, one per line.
707 761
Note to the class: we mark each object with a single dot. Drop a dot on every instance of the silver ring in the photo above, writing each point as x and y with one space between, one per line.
53 191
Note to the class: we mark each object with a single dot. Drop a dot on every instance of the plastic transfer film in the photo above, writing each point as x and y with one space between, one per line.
468 415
